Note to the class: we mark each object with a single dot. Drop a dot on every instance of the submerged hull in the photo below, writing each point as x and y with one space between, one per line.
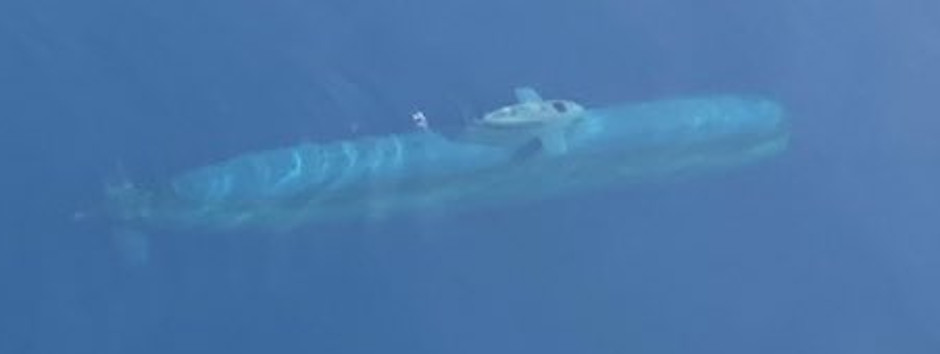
378 176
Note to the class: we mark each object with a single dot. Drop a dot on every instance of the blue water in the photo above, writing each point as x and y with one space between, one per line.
832 248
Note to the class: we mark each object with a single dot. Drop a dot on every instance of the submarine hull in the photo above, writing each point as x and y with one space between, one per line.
376 177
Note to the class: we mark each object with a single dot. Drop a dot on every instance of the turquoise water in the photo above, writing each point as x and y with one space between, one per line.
830 248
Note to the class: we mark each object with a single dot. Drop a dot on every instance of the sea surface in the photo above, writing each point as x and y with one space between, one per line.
833 247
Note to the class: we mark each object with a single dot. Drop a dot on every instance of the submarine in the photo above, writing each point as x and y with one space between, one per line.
529 150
